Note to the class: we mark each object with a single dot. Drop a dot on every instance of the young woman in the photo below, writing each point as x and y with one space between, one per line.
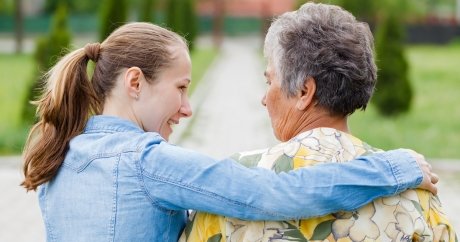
104 170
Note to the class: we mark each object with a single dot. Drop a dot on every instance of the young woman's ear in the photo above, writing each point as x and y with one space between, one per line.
133 81
306 95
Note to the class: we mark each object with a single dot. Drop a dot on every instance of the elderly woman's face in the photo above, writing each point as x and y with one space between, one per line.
281 109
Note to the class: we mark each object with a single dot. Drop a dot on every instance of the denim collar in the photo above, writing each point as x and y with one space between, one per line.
98 123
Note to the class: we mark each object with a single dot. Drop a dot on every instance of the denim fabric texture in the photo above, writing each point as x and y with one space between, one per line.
119 183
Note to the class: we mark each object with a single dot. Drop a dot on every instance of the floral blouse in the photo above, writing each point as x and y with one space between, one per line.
414 215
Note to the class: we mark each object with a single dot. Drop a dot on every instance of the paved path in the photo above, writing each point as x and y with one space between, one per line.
228 114
228 117
20 219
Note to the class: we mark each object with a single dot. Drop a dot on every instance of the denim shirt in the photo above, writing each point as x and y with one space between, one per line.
119 183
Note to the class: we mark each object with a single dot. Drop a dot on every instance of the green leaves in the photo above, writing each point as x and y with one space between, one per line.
113 15
323 230
215 238
248 161
181 18
48 51
393 93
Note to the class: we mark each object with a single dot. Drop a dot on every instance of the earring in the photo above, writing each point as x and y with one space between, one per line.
136 97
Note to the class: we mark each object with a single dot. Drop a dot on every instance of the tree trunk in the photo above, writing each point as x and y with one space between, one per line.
218 22
266 19
18 25
458 12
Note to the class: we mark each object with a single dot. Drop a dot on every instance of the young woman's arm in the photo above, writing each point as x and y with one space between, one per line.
176 178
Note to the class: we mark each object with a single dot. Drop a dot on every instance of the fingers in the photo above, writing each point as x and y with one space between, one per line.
429 177
434 178
428 182
432 188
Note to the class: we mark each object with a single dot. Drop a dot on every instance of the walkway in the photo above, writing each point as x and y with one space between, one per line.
228 117
228 114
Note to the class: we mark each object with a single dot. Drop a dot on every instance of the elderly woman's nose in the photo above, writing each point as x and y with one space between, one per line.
263 100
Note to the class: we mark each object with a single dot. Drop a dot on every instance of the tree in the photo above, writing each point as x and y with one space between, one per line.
361 9
218 22
113 15
146 11
73 6
52 5
6 7
48 51
181 18
393 93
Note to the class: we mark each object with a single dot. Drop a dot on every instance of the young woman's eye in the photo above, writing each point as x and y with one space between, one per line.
183 88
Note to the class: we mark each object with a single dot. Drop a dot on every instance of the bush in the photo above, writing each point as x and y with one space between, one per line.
181 18
113 15
48 51
393 93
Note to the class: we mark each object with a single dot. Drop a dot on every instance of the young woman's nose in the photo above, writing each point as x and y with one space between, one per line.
186 109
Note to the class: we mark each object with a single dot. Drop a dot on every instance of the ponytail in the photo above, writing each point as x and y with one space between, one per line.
63 110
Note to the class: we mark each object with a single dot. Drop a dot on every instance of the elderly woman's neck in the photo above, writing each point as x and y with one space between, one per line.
320 118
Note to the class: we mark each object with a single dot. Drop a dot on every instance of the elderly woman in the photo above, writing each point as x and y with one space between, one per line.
320 70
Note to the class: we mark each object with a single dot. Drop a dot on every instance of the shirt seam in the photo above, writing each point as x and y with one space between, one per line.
113 221
144 189
396 174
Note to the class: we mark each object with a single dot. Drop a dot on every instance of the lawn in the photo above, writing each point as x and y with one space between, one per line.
432 127
17 70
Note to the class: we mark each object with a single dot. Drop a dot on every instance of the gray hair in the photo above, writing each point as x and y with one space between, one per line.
328 44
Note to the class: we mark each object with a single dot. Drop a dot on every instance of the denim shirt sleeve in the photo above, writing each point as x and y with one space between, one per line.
176 178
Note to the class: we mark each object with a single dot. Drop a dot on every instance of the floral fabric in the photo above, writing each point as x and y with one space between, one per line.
414 215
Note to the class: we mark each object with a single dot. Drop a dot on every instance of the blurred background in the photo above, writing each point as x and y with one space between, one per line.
417 43
416 104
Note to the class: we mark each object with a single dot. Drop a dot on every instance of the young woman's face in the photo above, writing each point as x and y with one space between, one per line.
165 101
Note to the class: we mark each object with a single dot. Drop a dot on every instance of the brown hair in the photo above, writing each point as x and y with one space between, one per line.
70 97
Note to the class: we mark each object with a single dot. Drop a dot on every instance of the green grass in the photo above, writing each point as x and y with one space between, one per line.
17 71
432 127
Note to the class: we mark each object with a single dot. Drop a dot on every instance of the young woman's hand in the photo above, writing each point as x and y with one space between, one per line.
429 177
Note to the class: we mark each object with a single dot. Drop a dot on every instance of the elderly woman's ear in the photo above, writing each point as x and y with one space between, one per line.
306 95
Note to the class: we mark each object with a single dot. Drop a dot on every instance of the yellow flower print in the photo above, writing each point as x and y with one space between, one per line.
291 149
441 233
386 208
390 201
414 215
358 227
304 135
238 230
405 229
277 149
